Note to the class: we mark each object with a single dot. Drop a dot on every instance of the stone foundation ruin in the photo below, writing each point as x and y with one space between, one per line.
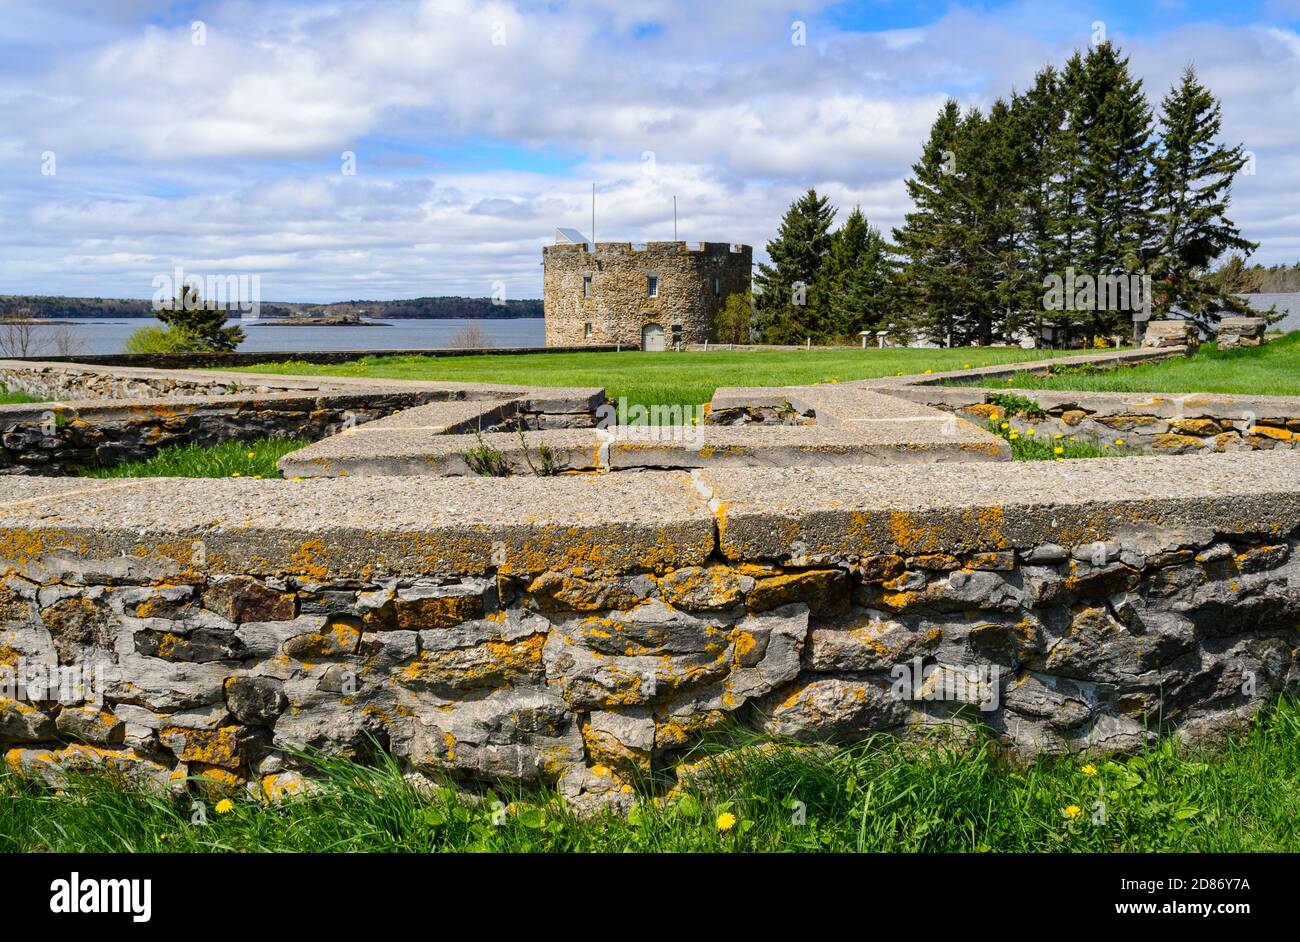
820 563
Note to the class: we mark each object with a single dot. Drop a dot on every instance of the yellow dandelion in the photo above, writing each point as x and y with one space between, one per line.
225 806
252 454
1072 812
928 372
235 474
1006 425
1089 769
1058 450
1119 441
1013 436
965 366
1031 432
726 821
1058 435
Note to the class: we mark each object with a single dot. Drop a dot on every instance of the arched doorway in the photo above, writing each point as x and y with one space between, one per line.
652 337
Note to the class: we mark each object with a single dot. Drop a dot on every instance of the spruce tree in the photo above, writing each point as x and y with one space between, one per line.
1113 126
200 322
1193 183
928 241
797 254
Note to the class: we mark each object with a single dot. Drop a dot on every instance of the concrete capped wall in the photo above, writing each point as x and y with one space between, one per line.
586 631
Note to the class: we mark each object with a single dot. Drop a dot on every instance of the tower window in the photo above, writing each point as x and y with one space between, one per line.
652 286
586 287
717 287
586 331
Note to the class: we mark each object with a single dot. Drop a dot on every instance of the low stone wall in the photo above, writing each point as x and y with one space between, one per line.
59 440
587 630
1158 423
100 417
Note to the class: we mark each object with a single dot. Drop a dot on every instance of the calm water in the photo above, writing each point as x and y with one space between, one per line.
106 335
95 335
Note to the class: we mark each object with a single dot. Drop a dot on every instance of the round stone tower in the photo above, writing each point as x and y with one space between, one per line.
651 296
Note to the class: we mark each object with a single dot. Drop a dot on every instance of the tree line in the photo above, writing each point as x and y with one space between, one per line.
1070 203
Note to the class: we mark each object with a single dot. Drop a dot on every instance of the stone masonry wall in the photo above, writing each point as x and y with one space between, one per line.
1156 423
619 307
561 631
64 440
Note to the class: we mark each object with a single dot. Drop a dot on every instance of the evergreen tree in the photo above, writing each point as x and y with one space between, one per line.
928 240
788 314
857 278
1193 183
202 323
1043 148
1112 121
868 292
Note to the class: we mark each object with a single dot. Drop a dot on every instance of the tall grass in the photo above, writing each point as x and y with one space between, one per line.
880 795
16 396
252 459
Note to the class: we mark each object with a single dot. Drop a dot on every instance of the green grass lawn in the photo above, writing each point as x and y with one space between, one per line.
1270 370
10 397
228 459
685 378
878 796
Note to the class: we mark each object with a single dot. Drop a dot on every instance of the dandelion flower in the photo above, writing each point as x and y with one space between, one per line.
1031 432
252 454
726 821
1006 425
1072 812
1089 769
1119 441
225 806
235 474
965 366
1058 450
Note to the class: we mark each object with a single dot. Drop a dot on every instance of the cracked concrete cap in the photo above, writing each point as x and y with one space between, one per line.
363 527
862 511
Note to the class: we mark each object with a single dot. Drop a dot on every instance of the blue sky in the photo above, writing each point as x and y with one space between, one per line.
137 136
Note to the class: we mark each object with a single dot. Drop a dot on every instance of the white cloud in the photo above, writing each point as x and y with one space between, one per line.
227 155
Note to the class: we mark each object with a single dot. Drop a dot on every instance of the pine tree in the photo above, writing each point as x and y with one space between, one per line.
928 240
1043 158
1193 183
786 313
870 290
1112 123
858 280
204 324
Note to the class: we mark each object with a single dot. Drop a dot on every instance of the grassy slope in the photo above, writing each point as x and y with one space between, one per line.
878 796
688 378
1270 370
229 459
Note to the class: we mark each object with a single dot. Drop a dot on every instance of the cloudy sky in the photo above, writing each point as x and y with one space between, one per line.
137 136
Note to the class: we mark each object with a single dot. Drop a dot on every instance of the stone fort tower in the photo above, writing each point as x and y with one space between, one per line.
650 296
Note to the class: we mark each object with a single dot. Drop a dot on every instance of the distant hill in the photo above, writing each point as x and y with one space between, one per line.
60 308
